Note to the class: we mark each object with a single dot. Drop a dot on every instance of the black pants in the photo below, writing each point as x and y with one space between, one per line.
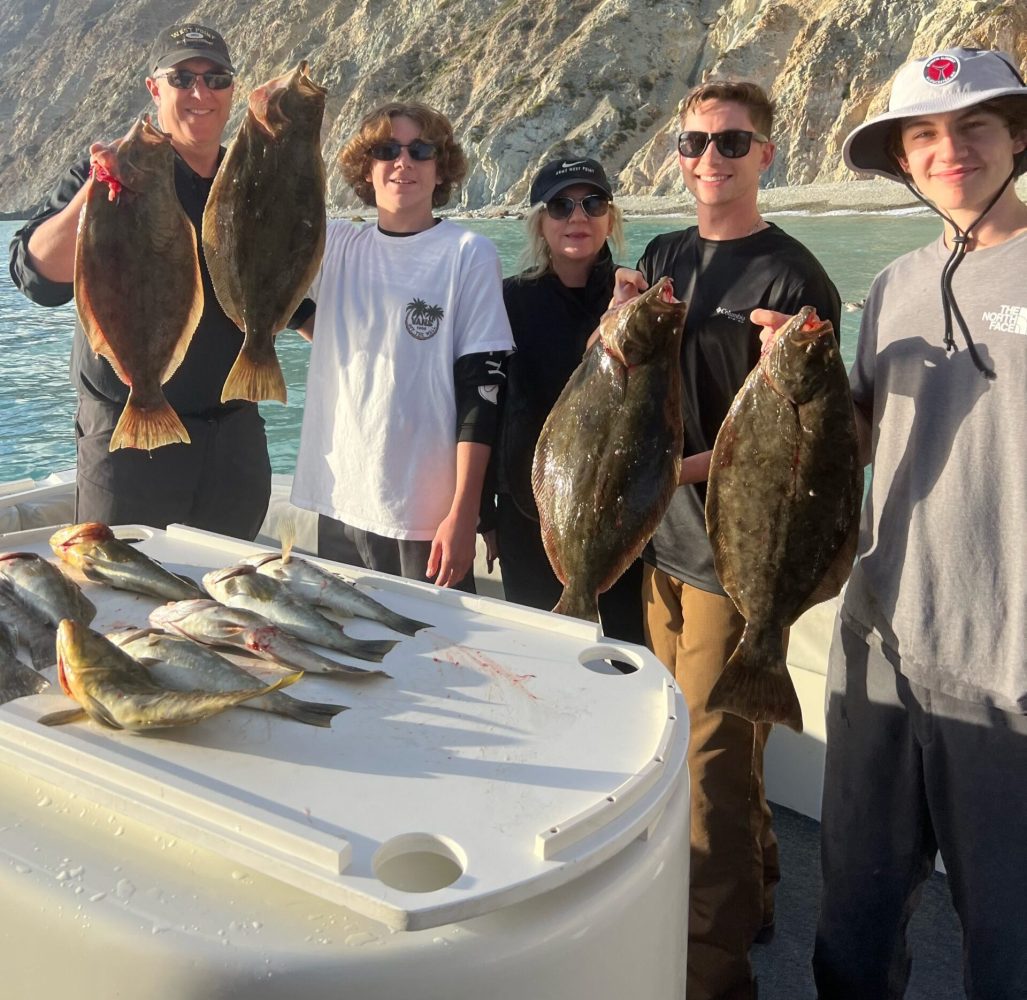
529 579
398 556
220 481
910 771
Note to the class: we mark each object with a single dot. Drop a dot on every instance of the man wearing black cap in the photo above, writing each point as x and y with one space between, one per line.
729 264
221 481
927 677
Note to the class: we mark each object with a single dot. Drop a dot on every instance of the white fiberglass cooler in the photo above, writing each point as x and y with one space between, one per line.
505 817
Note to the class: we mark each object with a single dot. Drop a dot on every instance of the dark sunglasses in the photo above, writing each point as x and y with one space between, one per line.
183 79
419 149
732 142
593 205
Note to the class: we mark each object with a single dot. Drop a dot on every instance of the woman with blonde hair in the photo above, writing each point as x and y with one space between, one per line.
554 305
409 342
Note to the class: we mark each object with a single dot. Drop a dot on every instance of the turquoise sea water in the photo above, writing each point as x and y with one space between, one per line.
37 403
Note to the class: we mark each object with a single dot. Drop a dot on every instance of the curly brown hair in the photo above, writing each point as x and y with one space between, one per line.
355 158
751 96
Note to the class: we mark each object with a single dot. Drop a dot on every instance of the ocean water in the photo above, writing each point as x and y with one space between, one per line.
37 402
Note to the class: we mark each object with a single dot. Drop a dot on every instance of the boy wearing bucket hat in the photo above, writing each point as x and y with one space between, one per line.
221 480
927 681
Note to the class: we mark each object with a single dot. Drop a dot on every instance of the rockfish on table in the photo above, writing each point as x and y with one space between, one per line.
216 625
782 508
116 691
31 629
138 289
327 590
16 679
93 548
45 589
183 665
609 455
243 587
264 225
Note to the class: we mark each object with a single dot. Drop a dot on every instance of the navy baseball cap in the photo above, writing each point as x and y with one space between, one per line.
565 172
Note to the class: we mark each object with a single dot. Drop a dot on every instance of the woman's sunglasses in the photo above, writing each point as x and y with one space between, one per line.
732 142
593 205
183 79
419 149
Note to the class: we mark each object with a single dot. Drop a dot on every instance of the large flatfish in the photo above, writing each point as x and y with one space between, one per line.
137 282
609 455
264 225
782 508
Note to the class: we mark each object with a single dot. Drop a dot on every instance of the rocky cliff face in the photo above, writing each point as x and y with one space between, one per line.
521 81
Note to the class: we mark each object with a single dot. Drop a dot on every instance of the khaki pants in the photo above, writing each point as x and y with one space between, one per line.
734 852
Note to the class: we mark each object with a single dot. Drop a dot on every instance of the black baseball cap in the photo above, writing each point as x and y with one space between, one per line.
565 172
189 41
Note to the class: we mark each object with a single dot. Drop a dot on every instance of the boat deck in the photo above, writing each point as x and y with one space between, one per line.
783 966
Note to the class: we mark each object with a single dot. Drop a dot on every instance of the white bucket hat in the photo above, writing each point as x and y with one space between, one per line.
950 80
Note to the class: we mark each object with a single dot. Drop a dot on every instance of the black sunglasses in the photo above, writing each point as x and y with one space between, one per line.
183 79
419 149
593 205
732 142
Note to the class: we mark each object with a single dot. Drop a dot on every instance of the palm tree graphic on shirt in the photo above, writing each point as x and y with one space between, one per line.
422 320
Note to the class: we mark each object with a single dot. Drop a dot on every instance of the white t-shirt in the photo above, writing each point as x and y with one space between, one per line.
378 445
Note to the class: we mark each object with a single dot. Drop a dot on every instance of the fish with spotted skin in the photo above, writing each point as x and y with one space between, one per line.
326 590
782 508
214 624
264 225
243 587
183 665
94 549
138 289
118 693
607 461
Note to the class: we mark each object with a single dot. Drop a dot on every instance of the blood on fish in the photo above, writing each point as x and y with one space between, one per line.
104 176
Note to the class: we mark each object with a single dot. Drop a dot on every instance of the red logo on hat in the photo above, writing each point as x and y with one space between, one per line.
941 69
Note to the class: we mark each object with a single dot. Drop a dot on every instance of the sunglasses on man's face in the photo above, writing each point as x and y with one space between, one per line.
419 149
732 142
593 205
183 79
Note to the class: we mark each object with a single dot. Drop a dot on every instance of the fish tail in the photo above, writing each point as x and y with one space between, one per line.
311 713
577 603
408 626
255 377
756 684
374 650
148 427
43 650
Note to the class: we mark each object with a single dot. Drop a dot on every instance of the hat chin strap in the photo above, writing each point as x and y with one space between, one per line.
960 242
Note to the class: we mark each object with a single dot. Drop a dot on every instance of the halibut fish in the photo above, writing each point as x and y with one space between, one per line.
264 225
117 692
93 548
138 290
608 458
782 508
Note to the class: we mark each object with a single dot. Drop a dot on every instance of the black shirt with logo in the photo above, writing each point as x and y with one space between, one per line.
722 281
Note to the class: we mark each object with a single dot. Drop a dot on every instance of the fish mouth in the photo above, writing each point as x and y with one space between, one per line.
662 291
90 531
65 634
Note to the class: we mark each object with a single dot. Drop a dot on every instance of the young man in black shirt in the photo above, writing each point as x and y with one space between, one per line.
221 481
731 263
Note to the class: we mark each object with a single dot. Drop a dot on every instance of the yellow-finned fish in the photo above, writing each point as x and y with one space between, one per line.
117 692
93 548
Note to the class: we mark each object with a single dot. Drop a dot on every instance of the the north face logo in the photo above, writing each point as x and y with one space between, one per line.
422 320
1007 319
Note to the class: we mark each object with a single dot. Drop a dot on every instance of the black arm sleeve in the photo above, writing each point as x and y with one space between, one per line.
303 312
26 278
478 378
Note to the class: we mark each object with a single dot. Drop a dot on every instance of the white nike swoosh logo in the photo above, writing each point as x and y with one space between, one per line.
576 163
